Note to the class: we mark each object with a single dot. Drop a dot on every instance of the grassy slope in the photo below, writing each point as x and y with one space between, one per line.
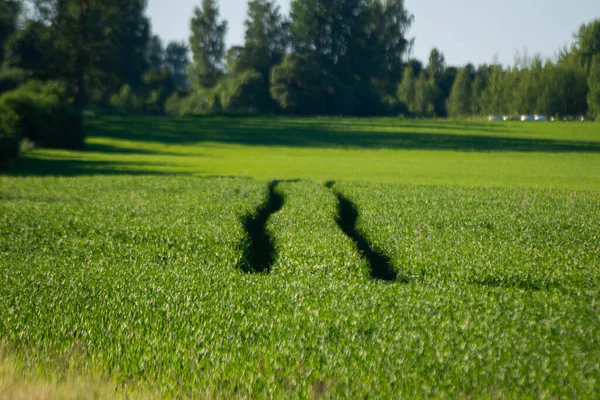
136 277
373 150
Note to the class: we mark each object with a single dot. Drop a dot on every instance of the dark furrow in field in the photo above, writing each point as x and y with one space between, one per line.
380 264
259 252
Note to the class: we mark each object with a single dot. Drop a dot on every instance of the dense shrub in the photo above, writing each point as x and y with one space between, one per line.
154 103
12 78
126 100
173 104
198 102
45 116
10 134
246 92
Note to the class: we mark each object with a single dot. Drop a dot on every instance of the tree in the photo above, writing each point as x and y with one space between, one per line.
407 89
177 61
245 92
386 43
95 46
356 48
299 85
133 43
156 57
266 38
207 44
9 12
28 48
491 96
425 94
437 65
436 69
459 103
265 46
587 43
416 66
321 35
593 98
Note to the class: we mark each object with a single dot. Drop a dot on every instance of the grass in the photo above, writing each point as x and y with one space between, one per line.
21 382
146 280
372 150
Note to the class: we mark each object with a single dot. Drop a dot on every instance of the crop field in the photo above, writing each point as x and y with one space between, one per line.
305 258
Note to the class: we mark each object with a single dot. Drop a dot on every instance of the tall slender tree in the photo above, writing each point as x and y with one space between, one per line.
593 98
207 44
407 89
459 103
266 38
246 88
177 61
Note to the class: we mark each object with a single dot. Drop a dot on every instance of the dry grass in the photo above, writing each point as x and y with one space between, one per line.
19 382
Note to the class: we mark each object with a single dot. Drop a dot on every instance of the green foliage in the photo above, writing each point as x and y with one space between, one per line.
158 86
426 93
437 65
245 92
12 78
94 46
28 50
9 12
380 45
418 95
407 89
265 44
126 100
460 102
500 299
207 44
46 118
173 104
266 38
197 102
594 87
438 75
297 84
347 57
10 134
587 44
177 61
490 99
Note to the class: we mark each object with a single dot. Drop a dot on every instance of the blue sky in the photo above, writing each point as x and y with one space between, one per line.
464 30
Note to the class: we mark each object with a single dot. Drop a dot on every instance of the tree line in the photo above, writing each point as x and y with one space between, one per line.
334 57
350 57
327 57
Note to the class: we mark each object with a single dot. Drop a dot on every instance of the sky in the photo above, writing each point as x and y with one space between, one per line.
466 31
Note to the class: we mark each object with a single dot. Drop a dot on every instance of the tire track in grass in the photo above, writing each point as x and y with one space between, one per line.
258 250
380 264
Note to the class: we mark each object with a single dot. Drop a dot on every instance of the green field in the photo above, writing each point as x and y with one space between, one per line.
549 155
273 257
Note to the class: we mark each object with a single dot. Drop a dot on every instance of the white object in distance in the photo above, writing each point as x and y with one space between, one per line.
541 118
494 118
526 118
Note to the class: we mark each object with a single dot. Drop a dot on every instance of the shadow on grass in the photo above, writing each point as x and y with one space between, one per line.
328 133
159 132
70 168
258 249
380 264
